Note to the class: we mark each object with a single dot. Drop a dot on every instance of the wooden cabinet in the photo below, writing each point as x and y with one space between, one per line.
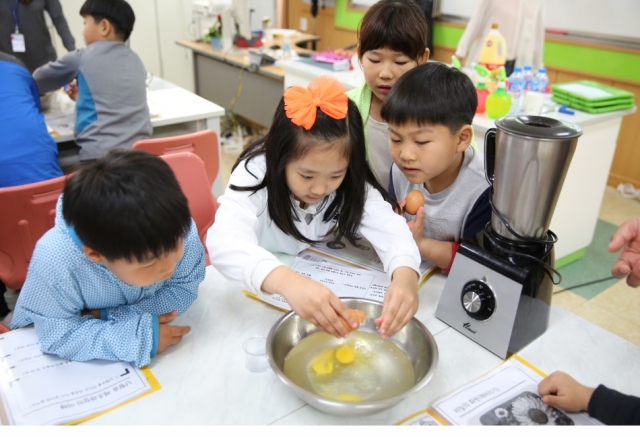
331 36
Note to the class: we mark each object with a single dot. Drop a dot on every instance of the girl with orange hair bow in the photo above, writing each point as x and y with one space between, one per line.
288 190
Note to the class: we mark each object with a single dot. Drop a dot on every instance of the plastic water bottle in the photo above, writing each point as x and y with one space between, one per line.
286 47
527 78
542 80
498 102
515 90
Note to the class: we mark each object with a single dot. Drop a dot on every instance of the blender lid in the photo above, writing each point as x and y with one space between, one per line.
535 126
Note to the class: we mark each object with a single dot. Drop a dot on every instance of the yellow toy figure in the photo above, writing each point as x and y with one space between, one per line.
493 55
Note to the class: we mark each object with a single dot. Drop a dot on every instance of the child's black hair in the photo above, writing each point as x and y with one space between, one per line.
285 142
118 12
431 94
398 25
127 205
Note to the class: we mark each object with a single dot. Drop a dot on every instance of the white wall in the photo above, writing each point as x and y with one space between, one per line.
159 23
610 18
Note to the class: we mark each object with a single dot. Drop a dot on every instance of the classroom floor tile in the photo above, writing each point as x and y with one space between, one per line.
594 266
610 320
595 314
627 329
621 300
616 209
567 300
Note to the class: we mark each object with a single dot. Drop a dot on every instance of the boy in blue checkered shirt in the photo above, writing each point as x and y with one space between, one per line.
122 260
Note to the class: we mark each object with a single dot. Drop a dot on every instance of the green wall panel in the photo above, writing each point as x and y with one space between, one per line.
447 36
346 18
611 63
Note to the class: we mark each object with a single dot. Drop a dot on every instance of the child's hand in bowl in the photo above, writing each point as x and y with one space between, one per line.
400 302
311 300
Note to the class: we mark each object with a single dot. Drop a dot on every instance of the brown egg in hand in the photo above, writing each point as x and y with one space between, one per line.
414 200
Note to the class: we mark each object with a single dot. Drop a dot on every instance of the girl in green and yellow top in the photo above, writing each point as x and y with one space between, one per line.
392 40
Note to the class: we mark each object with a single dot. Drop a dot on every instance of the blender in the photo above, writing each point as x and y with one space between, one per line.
499 288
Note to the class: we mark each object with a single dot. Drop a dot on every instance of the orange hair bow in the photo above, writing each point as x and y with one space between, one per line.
323 92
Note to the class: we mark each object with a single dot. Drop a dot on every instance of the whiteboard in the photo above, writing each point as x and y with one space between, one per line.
362 2
613 18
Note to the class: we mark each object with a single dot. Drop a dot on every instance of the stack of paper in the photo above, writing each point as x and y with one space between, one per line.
592 97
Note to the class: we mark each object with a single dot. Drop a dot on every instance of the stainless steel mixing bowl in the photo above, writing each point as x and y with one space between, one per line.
414 340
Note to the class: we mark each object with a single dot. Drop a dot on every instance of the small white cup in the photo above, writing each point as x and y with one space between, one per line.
533 101
255 349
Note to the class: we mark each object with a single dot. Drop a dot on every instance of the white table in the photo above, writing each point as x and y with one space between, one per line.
204 380
174 111
297 73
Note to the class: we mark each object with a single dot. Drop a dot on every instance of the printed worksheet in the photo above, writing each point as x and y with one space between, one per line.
508 395
362 254
343 280
41 389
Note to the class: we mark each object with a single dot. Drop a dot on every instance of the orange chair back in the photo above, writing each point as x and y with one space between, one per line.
26 213
191 175
204 144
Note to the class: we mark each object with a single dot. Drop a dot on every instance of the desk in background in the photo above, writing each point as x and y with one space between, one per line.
174 111
204 380
221 76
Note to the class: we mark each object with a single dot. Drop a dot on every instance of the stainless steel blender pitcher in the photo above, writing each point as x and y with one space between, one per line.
526 161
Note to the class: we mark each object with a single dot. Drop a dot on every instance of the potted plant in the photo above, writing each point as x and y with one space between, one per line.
214 35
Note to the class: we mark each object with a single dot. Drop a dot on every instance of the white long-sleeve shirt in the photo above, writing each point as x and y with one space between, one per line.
243 238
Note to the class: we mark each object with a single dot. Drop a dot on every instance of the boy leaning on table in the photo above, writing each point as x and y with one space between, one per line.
122 260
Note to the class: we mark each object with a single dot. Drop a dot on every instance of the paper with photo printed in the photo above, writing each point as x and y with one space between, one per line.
508 395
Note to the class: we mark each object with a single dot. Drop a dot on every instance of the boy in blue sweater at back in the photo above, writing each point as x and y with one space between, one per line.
28 154
111 108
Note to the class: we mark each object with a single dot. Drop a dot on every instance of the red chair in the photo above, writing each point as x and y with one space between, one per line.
190 172
204 144
3 329
27 212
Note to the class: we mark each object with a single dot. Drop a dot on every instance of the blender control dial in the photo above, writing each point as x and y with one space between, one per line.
478 300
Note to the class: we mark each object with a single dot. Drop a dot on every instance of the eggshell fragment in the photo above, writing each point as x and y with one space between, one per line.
356 314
